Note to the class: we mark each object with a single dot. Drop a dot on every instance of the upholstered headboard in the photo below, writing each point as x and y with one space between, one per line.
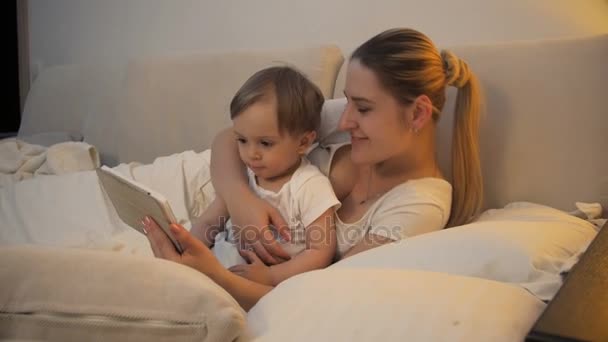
545 133
159 105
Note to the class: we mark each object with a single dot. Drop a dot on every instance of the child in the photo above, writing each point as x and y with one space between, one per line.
275 116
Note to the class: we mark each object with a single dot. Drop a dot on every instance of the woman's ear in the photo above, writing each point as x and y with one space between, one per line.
306 139
423 112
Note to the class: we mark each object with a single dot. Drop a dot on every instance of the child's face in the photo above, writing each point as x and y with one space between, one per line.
267 152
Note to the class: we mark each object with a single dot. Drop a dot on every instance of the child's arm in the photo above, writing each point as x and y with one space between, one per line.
319 252
211 222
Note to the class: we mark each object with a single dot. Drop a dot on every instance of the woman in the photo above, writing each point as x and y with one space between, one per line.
387 177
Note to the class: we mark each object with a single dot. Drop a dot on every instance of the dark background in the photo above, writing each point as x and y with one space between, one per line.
10 114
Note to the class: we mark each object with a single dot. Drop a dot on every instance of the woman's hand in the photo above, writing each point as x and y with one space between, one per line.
255 270
195 255
251 221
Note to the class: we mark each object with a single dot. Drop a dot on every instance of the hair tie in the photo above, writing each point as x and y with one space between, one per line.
456 71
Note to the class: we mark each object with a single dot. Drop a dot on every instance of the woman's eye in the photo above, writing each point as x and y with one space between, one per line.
363 110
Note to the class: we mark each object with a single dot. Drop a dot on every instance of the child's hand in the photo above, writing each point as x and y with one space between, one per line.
256 270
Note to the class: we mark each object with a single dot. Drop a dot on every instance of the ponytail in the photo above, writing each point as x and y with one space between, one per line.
467 181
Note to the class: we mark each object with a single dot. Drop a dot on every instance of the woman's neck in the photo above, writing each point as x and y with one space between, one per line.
420 163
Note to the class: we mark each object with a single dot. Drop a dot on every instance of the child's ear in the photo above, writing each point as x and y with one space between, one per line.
306 140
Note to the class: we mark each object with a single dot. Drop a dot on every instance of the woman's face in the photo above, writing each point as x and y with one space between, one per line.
378 124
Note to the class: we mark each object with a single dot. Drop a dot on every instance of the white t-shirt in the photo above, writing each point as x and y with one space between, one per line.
411 208
301 201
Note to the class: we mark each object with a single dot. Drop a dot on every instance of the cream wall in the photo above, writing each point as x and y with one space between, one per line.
76 31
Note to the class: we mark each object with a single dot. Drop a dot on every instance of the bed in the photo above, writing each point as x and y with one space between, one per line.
71 271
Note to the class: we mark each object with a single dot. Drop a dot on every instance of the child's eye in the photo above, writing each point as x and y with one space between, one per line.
266 143
241 140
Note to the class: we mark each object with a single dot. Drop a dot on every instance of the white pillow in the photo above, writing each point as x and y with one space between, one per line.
393 305
81 295
523 243
330 116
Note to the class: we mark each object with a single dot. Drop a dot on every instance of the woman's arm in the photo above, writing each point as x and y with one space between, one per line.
228 173
199 257
246 209
319 253
342 172
211 222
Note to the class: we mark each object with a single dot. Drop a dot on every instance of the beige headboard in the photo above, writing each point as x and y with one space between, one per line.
159 105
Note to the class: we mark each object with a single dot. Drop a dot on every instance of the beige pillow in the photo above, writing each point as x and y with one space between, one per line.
524 243
83 295
393 305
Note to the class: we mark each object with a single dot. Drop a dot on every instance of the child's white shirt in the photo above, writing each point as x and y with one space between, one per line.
301 201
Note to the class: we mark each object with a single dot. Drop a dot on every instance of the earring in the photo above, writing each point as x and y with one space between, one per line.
414 130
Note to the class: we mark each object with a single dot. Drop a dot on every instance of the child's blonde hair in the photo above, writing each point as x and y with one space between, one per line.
299 101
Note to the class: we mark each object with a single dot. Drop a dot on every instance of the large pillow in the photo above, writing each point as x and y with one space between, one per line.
330 116
393 305
83 295
523 243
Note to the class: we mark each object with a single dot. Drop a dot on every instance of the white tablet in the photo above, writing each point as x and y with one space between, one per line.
134 201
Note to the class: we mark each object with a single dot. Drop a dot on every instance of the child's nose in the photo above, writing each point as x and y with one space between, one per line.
254 153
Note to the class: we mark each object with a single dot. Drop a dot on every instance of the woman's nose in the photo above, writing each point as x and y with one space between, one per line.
346 121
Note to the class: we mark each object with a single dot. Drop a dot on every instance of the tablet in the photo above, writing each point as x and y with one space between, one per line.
134 201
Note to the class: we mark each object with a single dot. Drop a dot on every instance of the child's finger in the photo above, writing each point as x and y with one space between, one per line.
236 268
262 252
250 256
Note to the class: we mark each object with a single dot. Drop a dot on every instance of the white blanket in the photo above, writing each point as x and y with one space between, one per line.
72 210
20 160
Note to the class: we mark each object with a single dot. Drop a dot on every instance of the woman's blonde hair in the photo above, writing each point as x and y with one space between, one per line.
408 64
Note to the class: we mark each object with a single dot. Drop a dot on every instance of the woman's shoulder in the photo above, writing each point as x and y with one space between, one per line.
422 191
412 208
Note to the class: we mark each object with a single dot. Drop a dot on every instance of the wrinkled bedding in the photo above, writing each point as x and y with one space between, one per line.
71 209
20 160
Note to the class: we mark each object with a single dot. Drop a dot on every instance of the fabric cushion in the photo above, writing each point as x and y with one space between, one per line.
62 97
330 116
180 102
523 243
392 305
62 294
